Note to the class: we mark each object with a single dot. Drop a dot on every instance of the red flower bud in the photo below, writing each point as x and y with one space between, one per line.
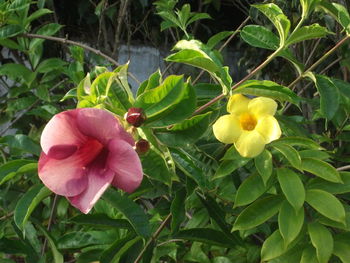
142 146
135 117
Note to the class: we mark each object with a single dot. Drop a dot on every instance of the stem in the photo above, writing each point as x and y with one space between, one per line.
251 74
343 168
121 14
54 203
86 47
318 62
153 238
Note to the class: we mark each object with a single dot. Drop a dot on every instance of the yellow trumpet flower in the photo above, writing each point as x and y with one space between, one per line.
250 124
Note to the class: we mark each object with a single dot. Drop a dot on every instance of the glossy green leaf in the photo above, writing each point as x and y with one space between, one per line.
257 213
316 154
339 13
49 29
154 165
259 36
307 7
10 31
300 141
263 163
342 249
17 71
50 64
306 33
152 82
207 236
229 166
133 213
215 39
57 256
322 240
9 169
250 190
321 169
101 220
289 153
333 188
267 88
185 133
21 142
28 202
309 255
82 239
329 96
292 187
278 19
273 246
326 204
177 209
342 86
290 222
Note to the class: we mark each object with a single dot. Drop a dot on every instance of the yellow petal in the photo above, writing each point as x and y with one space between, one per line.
262 106
237 104
227 129
269 128
250 144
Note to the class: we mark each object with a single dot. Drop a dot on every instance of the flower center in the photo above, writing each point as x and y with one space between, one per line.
247 121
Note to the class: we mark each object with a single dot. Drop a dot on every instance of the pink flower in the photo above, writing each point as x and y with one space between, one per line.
83 152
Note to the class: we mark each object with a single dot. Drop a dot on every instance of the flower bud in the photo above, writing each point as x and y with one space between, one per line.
142 146
135 117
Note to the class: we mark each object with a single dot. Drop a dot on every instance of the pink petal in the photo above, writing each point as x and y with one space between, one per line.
125 162
68 176
62 177
101 125
60 152
99 178
62 129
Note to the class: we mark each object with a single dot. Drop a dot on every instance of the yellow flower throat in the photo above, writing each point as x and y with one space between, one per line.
247 121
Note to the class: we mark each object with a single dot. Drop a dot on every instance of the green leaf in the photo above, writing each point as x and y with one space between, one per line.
133 213
292 187
9 169
17 72
263 163
177 210
342 86
57 256
28 202
38 13
207 236
290 222
10 31
342 249
214 40
267 88
322 240
82 239
154 165
329 96
152 82
316 154
250 190
185 133
229 166
278 19
306 33
333 188
299 141
101 220
339 13
326 204
50 64
273 247
321 169
197 16
49 29
22 142
307 7
309 255
289 153
257 213
259 36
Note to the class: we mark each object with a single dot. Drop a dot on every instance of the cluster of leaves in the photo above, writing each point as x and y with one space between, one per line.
200 201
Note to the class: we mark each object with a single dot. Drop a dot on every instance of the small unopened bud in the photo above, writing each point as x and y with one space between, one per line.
135 117
142 146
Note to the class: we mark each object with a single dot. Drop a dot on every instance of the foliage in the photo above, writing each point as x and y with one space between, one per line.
200 201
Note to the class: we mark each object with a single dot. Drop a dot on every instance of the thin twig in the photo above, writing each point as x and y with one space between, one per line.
86 47
121 14
313 51
49 224
343 168
153 238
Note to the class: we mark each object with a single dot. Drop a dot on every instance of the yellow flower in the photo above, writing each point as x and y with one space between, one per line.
250 124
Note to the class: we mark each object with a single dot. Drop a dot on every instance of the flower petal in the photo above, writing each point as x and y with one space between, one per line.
238 104
98 182
250 144
62 129
269 128
63 177
62 151
125 162
101 125
227 128
261 106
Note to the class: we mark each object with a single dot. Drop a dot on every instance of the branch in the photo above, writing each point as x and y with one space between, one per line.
153 238
121 14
